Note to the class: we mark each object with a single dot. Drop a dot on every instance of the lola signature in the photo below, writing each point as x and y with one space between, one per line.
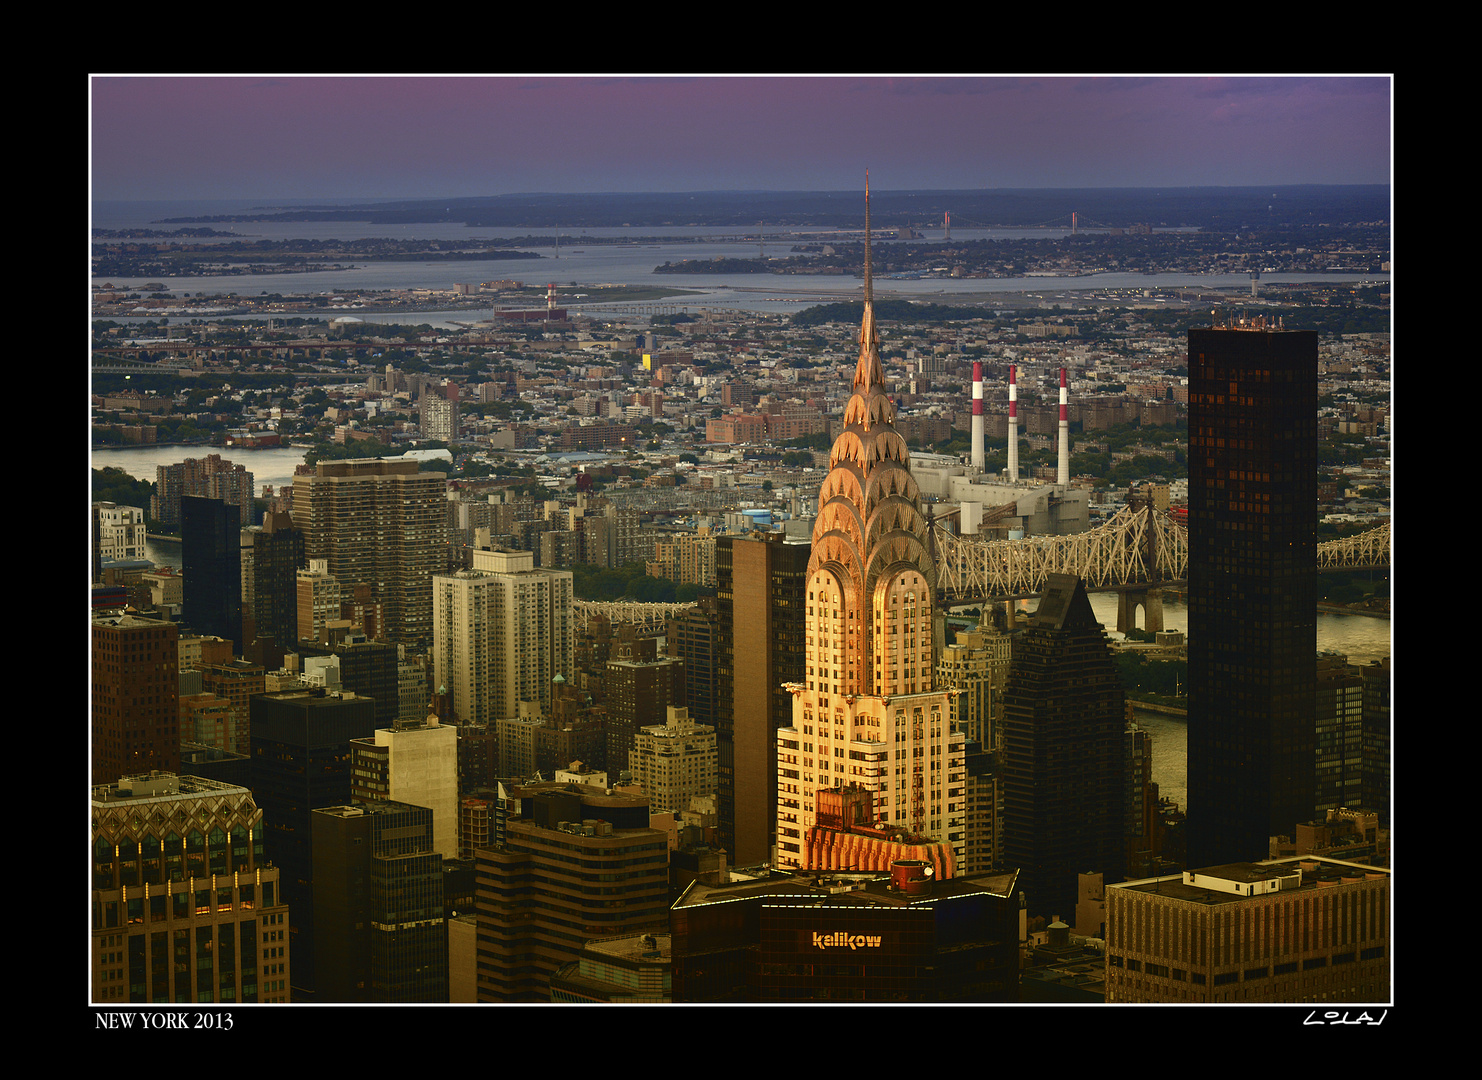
1342 1018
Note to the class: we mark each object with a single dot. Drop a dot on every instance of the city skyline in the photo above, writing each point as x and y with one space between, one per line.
276 137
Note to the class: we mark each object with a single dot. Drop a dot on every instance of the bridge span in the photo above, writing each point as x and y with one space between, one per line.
1135 553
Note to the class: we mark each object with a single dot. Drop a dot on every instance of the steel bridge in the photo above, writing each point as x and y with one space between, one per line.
1135 549
1135 553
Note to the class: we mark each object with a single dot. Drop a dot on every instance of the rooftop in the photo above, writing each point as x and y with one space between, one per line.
1234 882
872 889
159 785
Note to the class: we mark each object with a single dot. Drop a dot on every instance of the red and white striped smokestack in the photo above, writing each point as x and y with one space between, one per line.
1013 426
1062 474
977 414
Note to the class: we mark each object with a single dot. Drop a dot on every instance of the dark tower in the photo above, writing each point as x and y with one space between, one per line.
1063 748
758 647
1252 588
211 564
378 904
278 556
300 762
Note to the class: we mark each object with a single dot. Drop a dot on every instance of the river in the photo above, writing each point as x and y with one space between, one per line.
630 263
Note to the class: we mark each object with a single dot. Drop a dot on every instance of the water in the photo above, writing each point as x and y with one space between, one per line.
630 263
1361 638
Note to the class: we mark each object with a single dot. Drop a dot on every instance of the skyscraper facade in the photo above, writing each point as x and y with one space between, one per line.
277 556
569 864
135 696
301 761
865 712
501 632
210 477
378 897
382 524
211 564
186 907
1063 748
639 695
412 762
1252 588
759 650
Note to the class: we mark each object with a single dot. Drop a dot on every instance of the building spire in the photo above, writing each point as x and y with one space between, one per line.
869 288
867 372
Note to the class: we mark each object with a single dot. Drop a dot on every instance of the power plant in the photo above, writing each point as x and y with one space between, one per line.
1011 507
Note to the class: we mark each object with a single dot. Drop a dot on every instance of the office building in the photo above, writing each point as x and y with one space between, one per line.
762 580
976 667
984 809
277 555
1339 715
627 970
118 534
318 600
1299 930
186 907
412 762
1252 588
639 694
674 761
301 761
896 937
866 711
211 564
381 524
369 669
569 864
1063 748
210 477
501 633
378 905
1376 751
235 682
135 697
692 637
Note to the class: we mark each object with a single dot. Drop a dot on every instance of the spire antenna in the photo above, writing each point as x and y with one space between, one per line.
869 289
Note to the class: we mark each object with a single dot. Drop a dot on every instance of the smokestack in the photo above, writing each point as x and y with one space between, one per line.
1013 426
1062 475
978 415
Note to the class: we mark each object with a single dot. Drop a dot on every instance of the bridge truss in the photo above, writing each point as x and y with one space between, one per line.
1354 552
1136 548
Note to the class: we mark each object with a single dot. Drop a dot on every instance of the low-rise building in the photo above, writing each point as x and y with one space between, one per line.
1301 929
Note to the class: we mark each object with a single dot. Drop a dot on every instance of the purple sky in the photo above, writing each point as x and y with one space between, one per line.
289 137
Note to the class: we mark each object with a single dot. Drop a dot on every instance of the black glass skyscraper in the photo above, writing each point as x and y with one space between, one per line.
211 565
1252 588
1064 775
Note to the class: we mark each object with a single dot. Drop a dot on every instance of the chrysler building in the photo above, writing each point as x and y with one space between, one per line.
866 715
